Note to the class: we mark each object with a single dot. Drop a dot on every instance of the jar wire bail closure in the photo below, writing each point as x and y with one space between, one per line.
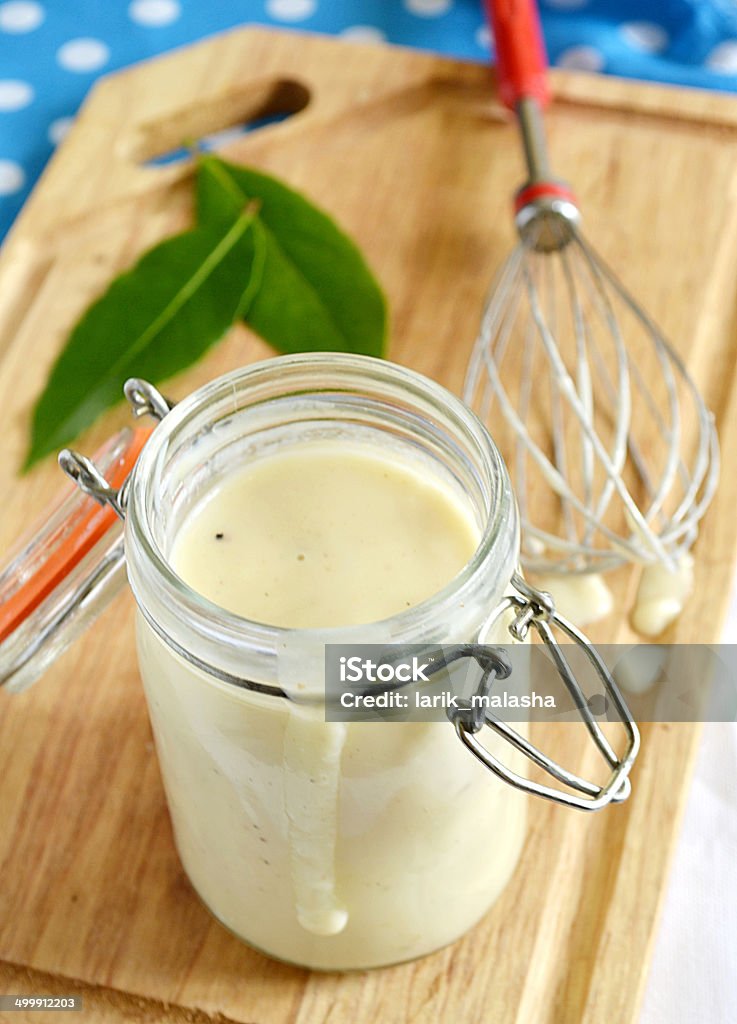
534 609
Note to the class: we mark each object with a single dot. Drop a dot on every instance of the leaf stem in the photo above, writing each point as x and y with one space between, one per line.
188 289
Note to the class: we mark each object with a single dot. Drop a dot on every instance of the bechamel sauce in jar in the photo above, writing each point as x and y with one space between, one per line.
331 845
324 534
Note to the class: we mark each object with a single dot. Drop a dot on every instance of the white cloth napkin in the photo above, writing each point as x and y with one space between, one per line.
693 979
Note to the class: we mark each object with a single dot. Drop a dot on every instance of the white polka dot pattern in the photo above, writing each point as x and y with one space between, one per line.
484 37
58 129
83 55
154 13
20 16
723 58
645 36
290 10
428 8
566 5
14 94
581 58
12 177
363 34
225 137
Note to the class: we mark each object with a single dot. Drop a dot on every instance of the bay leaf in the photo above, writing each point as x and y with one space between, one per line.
317 292
153 321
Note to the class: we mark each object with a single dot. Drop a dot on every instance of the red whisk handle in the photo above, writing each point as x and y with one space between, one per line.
521 60
543 189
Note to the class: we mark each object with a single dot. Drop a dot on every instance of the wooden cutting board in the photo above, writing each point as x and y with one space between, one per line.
416 159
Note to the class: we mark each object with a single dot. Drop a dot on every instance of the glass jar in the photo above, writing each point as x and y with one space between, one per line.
333 845
326 844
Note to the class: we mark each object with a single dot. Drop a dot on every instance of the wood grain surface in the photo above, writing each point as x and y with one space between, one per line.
416 159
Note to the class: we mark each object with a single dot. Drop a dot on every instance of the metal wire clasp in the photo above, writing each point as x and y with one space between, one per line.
535 609
145 400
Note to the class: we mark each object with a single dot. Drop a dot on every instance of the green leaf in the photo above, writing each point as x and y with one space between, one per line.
317 292
152 322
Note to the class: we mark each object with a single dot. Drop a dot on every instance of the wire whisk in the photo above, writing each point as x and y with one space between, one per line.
577 384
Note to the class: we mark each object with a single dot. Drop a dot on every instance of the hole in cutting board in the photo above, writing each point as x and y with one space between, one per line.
216 140
213 123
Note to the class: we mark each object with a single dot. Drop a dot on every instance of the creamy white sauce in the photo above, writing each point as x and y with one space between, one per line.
329 845
582 598
312 752
661 595
639 668
325 535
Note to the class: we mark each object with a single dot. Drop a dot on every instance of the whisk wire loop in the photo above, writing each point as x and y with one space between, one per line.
580 376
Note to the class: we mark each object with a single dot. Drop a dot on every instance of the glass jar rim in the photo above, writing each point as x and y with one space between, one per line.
202 614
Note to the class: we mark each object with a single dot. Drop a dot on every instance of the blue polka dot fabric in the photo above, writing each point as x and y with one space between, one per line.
51 51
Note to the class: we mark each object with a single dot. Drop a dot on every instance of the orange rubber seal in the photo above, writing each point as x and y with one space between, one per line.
91 526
